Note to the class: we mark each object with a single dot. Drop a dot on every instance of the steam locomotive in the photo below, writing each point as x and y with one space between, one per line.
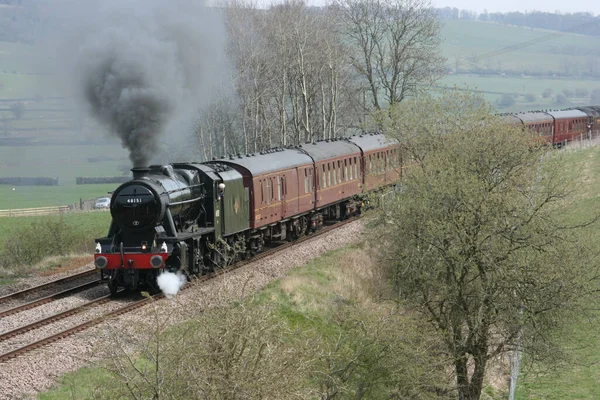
195 217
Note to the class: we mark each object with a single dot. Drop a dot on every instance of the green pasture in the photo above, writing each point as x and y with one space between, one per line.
21 85
62 162
42 196
21 58
568 53
65 162
94 224
579 377
492 88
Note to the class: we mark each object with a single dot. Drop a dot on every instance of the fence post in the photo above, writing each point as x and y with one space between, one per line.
81 203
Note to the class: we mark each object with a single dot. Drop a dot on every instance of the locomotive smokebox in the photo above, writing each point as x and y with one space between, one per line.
140 172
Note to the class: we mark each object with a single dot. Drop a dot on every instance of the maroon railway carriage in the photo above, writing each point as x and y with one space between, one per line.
275 183
537 122
556 127
381 160
568 125
338 174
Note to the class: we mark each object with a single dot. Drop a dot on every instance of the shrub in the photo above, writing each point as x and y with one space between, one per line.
506 100
31 243
547 93
580 92
530 97
568 93
561 99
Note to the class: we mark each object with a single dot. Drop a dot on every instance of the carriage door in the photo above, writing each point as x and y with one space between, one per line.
282 194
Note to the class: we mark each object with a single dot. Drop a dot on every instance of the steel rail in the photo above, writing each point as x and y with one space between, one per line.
21 293
49 299
53 318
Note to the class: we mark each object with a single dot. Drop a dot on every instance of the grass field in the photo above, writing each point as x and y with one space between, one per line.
95 222
573 54
579 378
65 162
42 196
563 54
520 86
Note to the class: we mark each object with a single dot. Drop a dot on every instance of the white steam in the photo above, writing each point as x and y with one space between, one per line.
170 283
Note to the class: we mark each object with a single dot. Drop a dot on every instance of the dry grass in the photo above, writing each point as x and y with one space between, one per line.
59 264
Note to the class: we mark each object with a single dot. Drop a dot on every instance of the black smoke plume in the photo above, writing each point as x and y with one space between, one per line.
145 67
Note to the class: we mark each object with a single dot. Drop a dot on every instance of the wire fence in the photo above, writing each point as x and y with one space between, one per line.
22 212
582 141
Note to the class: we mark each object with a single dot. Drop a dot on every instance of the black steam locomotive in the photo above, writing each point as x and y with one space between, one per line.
162 219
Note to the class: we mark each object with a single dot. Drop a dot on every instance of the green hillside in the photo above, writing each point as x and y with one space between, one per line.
479 56
568 54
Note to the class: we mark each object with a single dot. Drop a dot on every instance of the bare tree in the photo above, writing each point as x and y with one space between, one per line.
394 45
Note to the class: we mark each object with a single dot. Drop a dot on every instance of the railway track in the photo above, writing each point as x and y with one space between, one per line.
46 287
48 299
133 304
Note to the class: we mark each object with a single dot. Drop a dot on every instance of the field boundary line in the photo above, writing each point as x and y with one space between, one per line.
21 212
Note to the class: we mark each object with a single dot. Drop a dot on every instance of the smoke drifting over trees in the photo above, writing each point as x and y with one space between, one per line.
144 67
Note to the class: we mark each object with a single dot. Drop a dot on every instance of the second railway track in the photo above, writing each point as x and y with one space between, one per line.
95 319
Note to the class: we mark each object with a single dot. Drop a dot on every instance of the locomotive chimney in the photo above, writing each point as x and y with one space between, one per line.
140 172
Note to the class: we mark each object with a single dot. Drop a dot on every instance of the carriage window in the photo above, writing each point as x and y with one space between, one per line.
278 189
268 182
283 186
351 176
328 174
262 193
333 168
310 180
346 170
324 180
305 180
339 171
273 188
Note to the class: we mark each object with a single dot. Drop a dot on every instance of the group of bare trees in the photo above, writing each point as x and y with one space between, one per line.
300 74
